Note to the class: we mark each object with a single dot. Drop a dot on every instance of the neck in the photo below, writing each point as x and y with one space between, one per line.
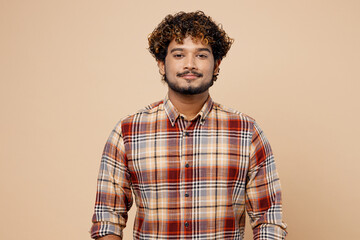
188 105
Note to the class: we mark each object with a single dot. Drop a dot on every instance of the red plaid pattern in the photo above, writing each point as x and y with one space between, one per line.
191 179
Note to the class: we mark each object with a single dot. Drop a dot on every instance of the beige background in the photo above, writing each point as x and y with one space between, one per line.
69 70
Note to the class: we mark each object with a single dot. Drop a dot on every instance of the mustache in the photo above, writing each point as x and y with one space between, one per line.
187 72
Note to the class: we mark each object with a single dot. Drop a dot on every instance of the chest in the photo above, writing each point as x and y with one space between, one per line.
168 154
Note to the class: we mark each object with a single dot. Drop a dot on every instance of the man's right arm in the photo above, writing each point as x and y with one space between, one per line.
113 197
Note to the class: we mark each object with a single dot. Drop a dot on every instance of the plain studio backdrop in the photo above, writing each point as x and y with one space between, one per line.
69 70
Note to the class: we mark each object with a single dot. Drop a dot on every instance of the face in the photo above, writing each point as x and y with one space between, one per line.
189 67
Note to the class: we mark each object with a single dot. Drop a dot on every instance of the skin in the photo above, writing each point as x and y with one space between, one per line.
188 92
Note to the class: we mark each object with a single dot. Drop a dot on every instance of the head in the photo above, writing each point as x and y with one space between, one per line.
198 27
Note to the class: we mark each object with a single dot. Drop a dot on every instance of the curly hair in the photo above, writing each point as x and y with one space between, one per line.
194 24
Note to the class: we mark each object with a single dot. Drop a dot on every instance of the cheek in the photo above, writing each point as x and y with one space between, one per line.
210 69
171 67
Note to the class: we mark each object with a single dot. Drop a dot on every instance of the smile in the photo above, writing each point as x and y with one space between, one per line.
190 75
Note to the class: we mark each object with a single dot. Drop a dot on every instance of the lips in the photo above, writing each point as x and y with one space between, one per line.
189 75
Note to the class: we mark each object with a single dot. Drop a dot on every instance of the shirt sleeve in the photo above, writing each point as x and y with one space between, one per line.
114 196
263 193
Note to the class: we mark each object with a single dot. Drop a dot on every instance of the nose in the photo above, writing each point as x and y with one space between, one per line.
190 62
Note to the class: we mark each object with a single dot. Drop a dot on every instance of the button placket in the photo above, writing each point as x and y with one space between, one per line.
183 160
187 141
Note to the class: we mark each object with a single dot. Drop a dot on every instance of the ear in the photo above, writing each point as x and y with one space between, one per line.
161 66
217 66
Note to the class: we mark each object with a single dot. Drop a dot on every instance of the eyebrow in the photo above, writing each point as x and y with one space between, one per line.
182 49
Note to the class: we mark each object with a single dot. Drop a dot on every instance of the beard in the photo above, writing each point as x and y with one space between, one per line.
189 90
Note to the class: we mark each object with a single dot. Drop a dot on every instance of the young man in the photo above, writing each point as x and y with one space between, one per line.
193 165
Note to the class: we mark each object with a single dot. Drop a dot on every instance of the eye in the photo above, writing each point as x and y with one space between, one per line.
202 56
178 55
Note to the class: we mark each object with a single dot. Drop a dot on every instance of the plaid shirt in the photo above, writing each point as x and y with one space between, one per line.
191 179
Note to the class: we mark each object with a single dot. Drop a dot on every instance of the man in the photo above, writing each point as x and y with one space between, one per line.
193 165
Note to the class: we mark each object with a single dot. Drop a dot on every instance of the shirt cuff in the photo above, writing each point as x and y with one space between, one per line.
269 232
101 229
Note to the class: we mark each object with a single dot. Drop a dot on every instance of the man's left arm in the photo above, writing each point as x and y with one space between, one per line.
263 193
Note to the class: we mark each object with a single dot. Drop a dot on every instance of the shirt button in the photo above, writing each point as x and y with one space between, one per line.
187 195
186 134
187 165
186 224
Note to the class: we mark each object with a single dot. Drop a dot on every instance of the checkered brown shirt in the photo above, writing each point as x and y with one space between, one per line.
191 179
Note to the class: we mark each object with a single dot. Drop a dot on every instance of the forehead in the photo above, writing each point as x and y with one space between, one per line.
189 44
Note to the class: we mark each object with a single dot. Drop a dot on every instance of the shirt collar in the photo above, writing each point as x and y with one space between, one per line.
173 113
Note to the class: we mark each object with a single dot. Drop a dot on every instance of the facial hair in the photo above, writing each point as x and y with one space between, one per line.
189 90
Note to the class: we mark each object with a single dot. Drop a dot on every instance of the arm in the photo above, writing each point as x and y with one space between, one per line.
263 193
113 197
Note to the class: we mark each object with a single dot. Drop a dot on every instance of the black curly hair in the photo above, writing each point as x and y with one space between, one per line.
194 24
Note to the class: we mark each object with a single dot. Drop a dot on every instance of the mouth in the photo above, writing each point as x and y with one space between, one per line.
190 75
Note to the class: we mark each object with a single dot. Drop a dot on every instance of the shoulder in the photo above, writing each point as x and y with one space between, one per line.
232 113
140 114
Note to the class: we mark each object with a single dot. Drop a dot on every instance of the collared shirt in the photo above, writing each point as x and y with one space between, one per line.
191 179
